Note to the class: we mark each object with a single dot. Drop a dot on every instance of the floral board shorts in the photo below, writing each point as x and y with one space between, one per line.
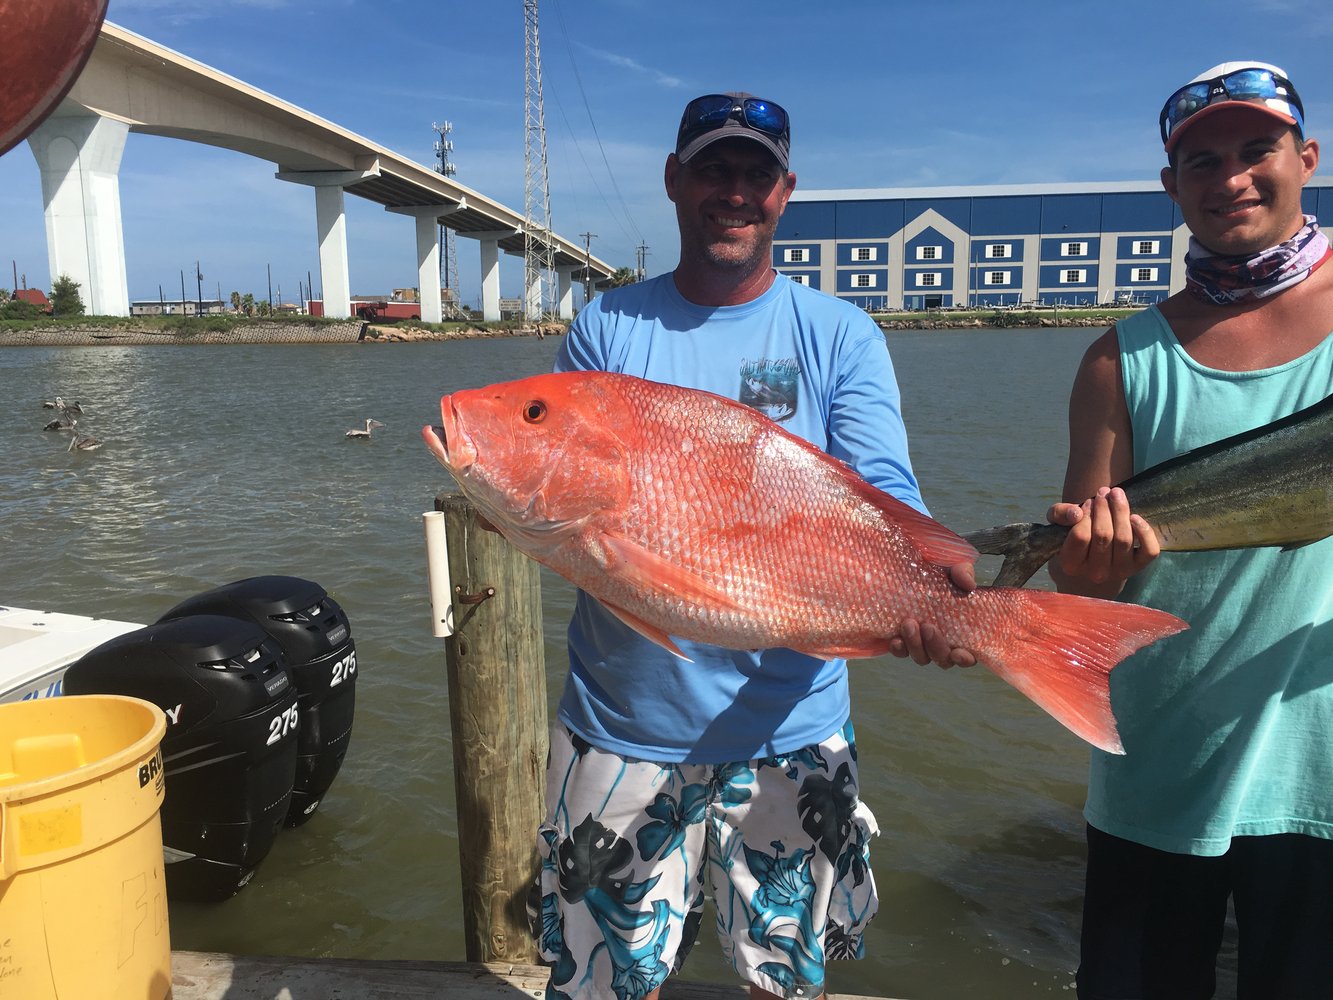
631 847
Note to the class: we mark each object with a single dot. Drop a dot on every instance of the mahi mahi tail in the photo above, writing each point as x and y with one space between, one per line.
1062 654
1026 548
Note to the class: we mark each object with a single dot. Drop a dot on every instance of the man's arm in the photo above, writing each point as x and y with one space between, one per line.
1107 542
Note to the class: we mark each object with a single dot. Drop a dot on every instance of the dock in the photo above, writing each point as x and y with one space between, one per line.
198 975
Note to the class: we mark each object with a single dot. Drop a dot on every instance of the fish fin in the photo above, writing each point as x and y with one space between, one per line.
1062 657
1026 548
877 648
936 542
1291 546
647 571
647 631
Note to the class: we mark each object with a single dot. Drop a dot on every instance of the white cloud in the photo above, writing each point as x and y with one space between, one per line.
625 62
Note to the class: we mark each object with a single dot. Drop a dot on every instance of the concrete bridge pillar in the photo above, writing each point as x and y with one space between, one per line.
428 255
331 224
490 272
566 273
79 153
334 275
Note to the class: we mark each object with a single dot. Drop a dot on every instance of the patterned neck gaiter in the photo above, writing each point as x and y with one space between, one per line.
1224 280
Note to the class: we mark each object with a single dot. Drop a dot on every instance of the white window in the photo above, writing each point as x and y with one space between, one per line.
800 279
863 281
999 251
928 279
928 253
1074 248
1146 248
1073 276
796 255
864 253
1144 274
997 278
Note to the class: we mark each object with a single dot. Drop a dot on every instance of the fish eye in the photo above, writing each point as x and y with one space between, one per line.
534 411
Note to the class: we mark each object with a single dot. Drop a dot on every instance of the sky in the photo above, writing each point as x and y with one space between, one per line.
881 93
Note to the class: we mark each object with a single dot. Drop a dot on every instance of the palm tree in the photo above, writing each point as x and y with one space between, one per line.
623 276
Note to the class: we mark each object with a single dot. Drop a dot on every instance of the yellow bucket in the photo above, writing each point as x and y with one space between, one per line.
83 898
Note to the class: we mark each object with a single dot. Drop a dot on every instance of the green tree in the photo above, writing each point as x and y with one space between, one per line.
236 301
623 276
248 304
65 300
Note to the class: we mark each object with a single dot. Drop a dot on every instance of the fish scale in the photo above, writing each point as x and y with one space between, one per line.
691 516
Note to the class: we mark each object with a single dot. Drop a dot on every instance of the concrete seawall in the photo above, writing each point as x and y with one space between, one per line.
87 335
260 332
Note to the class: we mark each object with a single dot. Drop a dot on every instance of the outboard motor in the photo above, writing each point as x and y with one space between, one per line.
317 639
229 754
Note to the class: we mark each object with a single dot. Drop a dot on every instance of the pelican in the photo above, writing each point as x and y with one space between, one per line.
356 432
59 404
60 424
82 442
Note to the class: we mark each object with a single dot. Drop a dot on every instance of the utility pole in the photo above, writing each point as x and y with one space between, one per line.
199 288
448 251
182 292
640 252
587 266
538 251
270 288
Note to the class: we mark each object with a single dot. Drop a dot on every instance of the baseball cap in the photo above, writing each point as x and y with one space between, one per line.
736 114
1257 85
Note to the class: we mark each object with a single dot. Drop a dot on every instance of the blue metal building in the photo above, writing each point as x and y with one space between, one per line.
994 246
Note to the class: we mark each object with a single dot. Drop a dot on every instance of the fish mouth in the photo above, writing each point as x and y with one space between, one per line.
436 442
446 441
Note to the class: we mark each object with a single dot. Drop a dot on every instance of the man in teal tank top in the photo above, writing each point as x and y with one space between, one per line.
1225 791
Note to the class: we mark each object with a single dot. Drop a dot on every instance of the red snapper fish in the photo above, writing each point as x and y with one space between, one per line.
690 515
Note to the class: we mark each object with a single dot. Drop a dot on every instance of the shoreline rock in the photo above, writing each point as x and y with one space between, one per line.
413 334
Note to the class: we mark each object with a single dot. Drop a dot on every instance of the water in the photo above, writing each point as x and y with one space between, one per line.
230 461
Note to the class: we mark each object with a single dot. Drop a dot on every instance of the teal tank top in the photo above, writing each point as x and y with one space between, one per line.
1228 726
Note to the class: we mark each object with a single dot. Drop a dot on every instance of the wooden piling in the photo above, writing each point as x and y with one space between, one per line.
497 713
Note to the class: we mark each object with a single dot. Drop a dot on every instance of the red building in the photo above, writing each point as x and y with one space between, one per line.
33 296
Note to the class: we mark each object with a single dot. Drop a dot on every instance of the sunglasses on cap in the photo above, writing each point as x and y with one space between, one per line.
1252 85
703 114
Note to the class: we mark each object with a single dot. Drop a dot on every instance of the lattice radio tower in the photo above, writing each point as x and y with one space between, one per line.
538 251
448 249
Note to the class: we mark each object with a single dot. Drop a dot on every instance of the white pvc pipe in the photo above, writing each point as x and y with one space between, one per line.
437 574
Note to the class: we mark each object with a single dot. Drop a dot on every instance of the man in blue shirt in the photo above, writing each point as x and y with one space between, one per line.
734 773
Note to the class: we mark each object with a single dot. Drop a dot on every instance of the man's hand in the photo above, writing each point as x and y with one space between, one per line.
924 642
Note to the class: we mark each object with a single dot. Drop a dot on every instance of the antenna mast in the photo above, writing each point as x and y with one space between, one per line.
451 305
538 251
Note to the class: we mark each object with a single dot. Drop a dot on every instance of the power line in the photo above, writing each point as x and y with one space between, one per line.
593 123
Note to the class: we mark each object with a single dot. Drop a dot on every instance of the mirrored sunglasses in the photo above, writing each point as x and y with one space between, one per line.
1252 85
703 114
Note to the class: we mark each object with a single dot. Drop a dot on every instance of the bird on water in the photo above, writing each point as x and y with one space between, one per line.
357 432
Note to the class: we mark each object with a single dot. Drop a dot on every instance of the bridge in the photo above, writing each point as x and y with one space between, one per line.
132 84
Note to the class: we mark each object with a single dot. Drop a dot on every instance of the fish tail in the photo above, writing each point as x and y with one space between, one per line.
1026 548
1062 654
